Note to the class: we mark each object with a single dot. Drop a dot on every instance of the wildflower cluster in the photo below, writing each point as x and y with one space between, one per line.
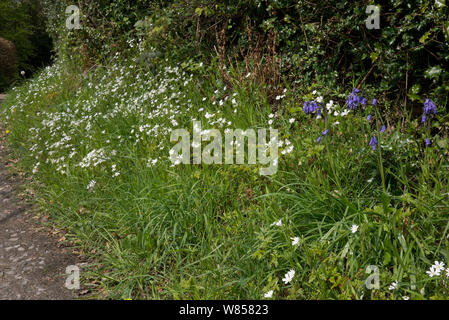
436 269
355 100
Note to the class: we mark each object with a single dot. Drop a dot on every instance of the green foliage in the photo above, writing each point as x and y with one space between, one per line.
97 140
209 231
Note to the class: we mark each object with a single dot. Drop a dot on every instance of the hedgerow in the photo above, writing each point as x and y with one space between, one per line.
405 60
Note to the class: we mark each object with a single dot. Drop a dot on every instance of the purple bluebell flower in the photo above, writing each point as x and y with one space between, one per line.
319 139
325 132
369 117
374 103
428 143
383 129
310 107
373 142
429 107
353 100
423 119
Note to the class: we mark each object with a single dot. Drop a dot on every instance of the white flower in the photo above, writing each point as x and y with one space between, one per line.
405 298
295 241
345 112
432 272
319 99
447 272
314 92
22 73
393 285
277 223
291 120
354 228
152 162
289 276
91 184
36 168
439 266
269 294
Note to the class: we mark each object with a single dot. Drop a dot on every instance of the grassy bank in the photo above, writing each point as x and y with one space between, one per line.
97 145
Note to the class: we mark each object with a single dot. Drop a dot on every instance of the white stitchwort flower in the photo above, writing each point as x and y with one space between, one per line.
289 276
269 294
354 228
393 285
439 266
277 223
91 184
432 272
405 298
295 241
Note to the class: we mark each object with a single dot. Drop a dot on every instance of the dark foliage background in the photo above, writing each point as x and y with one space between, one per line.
24 24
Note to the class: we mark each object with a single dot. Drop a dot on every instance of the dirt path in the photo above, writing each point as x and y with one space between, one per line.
32 261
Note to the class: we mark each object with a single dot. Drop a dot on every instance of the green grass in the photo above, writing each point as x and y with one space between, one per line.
206 231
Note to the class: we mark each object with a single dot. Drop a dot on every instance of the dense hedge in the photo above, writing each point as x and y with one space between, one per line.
316 40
